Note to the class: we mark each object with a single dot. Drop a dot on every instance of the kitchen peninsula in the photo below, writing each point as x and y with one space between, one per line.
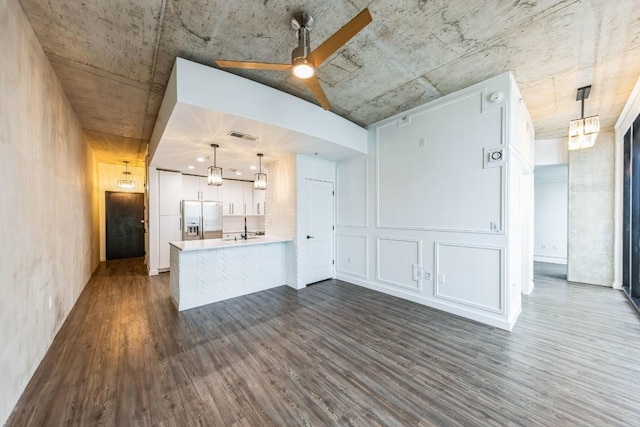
207 271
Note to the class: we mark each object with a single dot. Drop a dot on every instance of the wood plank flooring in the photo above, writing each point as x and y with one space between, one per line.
334 354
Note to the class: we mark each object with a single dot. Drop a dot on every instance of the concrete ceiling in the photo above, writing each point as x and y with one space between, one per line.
114 57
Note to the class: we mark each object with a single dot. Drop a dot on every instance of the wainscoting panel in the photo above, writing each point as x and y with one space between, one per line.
352 193
396 262
352 255
469 274
434 158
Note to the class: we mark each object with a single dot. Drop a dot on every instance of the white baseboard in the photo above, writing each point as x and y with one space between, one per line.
550 259
153 272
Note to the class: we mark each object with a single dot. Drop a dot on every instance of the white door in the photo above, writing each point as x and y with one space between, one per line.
318 240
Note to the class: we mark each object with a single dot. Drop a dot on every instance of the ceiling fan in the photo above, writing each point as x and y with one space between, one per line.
304 63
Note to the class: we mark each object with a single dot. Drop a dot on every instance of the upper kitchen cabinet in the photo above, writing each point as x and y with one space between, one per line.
209 192
232 197
170 190
237 198
247 198
190 187
197 188
258 202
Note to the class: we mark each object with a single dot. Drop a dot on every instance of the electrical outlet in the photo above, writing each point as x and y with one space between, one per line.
426 275
50 302
348 260
441 278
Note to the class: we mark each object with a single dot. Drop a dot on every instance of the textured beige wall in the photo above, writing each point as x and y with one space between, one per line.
48 200
591 198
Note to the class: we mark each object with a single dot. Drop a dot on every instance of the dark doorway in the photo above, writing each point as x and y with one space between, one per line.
124 214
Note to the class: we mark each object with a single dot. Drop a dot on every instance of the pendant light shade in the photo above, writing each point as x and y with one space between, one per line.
126 183
214 177
260 179
583 131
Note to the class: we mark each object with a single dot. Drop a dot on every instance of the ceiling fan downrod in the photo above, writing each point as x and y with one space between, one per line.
302 23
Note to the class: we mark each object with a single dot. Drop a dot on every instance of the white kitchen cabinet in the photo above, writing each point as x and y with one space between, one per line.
170 192
208 192
169 231
190 187
197 188
258 202
247 198
232 197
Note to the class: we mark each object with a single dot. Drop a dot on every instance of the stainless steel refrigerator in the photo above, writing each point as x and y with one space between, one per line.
201 219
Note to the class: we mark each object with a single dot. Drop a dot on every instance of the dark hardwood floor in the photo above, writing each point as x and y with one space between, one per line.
334 354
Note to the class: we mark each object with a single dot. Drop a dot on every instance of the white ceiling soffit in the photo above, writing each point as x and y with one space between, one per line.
203 104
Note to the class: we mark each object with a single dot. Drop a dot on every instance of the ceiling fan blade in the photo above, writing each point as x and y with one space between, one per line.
339 38
252 65
314 86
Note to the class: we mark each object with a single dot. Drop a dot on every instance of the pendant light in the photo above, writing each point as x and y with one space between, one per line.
583 131
126 183
260 180
214 177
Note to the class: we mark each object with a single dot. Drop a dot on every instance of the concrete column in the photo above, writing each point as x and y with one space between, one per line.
591 208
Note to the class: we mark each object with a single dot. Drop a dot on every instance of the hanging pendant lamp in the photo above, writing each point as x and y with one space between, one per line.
583 131
126 183
260 180
214 177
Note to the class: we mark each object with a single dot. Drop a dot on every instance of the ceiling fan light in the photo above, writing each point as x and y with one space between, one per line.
302 69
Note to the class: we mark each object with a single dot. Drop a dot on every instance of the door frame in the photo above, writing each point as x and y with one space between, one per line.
302 239
104 220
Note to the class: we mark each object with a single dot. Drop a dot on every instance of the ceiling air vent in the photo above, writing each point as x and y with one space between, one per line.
241 135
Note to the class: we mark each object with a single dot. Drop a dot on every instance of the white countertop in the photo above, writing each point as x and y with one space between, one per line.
199 245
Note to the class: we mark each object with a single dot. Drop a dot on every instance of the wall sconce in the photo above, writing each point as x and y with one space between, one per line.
260 180
583 131
126 183
214 177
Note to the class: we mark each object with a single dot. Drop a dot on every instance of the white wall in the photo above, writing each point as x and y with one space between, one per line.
422 218
551 214
109 174
48 206
551 151
281 210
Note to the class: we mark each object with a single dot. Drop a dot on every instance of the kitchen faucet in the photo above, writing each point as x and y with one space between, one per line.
245 236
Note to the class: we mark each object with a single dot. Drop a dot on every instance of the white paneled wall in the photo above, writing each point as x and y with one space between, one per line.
427 216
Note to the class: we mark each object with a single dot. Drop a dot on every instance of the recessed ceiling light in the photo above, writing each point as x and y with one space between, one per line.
200 159
252 168
191 167
238 173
